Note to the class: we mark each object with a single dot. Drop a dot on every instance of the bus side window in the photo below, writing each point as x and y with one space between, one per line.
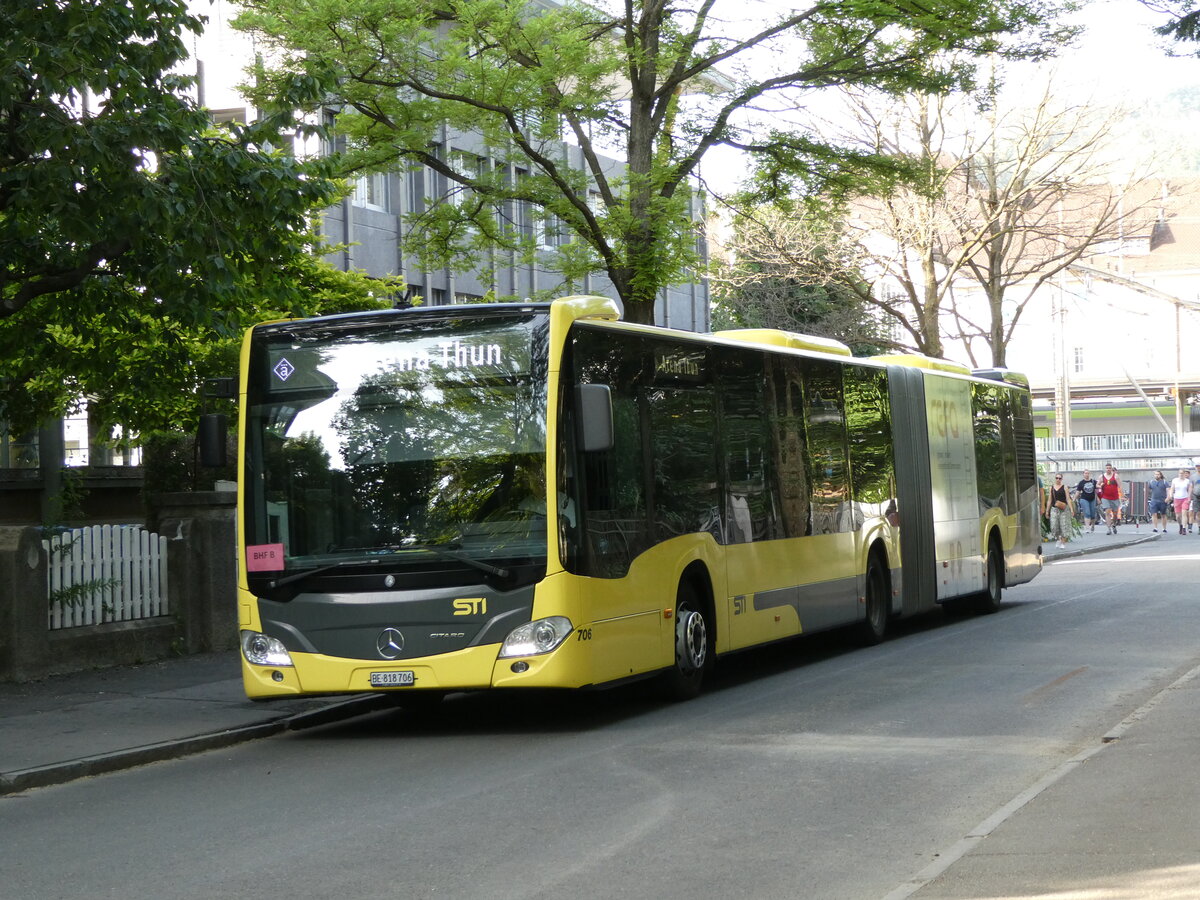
683 454
868 416
987 409
614 476
791 448
825 422
746 427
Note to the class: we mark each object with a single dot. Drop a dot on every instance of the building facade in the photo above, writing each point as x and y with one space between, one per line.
372 224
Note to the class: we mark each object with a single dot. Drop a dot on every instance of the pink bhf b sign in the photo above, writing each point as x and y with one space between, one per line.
264 558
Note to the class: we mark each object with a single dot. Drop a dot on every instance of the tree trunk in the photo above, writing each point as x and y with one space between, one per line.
640 312
931 334
996 333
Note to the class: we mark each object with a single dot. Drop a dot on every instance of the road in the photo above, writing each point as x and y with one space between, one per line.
808 769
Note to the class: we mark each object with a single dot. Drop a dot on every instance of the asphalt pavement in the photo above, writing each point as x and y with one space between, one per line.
1072 829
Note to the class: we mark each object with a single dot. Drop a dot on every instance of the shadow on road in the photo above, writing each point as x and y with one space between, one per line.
533 712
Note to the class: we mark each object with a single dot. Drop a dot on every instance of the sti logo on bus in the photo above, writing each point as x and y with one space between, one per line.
474 606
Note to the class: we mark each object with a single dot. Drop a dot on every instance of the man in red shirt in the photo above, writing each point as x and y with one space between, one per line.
1109 491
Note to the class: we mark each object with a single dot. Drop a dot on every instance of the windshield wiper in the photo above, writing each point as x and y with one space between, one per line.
447 551
305 573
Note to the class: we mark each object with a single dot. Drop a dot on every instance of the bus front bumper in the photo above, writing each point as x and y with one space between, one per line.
474 668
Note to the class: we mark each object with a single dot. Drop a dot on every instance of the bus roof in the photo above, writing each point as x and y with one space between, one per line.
790 339
918 361
370 316
1008 376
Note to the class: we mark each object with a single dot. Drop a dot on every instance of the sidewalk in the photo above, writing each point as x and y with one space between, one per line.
1098 541
88 723
1116 822
72 726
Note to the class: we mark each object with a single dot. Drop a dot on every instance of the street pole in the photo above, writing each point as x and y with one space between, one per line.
1178 374
1062 404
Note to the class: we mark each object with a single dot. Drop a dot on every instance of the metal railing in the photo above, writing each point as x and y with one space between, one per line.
1101 443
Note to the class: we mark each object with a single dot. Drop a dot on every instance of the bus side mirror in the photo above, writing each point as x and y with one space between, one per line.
594 417
213 429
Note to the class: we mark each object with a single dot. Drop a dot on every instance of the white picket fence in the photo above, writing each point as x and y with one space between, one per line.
105 573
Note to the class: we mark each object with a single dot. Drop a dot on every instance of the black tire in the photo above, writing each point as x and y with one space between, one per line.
989 601
873 629
693 650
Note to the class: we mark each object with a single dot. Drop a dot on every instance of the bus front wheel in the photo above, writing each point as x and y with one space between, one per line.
692 656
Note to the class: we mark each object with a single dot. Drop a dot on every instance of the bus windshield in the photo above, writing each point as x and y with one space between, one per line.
402 438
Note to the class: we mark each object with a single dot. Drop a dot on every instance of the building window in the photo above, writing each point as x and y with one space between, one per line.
18 451
371 191
522 210
414 295
465 165
595 203
551 231
228 116
415 182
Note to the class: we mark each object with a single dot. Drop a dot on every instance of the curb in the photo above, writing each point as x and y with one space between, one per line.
1098 548
73 769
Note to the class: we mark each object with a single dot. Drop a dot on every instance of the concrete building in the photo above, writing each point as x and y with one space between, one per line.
372 221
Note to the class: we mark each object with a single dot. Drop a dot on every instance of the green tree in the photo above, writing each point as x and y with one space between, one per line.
1184 24
658 84
797 271
136 239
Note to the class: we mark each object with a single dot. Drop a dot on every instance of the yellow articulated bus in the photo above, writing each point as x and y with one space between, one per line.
540 495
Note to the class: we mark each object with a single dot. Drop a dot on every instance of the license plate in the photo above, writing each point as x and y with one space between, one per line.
393 679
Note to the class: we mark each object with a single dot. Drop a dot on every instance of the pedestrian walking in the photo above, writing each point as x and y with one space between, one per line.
1058 510
1111 495
1085 495
1181 497
1158 489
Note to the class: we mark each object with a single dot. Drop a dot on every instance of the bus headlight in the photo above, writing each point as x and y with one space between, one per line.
540 636
262 650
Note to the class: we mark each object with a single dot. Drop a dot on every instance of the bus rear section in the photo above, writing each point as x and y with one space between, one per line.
967 484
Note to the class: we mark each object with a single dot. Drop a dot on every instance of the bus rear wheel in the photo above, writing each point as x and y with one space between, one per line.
874 627
989 600
692 656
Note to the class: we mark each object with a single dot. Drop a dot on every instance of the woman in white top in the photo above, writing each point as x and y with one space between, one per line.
1181 496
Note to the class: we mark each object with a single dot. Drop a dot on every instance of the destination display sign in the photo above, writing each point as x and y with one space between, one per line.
313 368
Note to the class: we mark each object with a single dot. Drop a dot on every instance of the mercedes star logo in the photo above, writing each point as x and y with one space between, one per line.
390 643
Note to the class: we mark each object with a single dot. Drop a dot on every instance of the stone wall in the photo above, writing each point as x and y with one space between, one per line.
201 578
